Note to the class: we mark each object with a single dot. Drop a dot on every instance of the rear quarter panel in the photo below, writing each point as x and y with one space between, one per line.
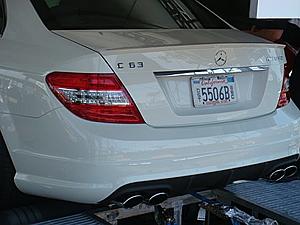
28 53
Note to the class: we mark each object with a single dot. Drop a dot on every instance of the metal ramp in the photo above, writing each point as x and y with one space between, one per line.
262 199
279 201
77 219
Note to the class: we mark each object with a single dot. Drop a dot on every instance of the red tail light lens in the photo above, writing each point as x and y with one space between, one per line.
284 97
94 97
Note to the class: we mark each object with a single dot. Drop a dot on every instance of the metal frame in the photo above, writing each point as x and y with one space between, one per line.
113 215
257 210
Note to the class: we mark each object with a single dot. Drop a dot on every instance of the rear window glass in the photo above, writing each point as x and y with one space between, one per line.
125 14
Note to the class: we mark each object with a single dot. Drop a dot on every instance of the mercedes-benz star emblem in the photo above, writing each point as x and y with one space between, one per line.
221 58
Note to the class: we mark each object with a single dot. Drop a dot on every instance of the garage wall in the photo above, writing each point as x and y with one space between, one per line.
266 9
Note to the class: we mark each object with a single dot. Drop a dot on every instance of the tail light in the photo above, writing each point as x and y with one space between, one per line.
94 97
284 97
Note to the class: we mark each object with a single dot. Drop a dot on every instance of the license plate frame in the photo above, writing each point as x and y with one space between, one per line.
222 87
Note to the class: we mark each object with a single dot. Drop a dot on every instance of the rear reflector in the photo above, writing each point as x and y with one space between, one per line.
94 97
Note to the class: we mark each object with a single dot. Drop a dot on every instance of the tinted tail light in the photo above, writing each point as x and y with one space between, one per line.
94 97
284 97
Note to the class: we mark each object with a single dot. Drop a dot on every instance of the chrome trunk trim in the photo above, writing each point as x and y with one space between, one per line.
220 71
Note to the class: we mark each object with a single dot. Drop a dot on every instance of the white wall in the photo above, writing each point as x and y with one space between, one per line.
263 9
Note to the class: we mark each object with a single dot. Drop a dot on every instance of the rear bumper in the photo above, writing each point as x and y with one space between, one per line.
87 162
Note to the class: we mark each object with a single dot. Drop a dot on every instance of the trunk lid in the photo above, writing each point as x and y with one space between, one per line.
162 70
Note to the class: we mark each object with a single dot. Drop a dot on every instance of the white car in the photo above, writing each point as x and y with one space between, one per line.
115 100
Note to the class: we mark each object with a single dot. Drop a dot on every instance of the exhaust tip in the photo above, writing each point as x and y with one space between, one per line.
291 171
277 175
133 201
158 198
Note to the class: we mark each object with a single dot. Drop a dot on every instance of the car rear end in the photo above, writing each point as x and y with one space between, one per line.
174 110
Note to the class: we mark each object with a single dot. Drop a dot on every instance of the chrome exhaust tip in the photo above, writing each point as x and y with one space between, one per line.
158 198
291 171
277 175
133 201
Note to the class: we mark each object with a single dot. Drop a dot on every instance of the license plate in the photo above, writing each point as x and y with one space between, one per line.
213 90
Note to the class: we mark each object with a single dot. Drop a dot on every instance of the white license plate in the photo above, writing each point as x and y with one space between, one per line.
213 90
